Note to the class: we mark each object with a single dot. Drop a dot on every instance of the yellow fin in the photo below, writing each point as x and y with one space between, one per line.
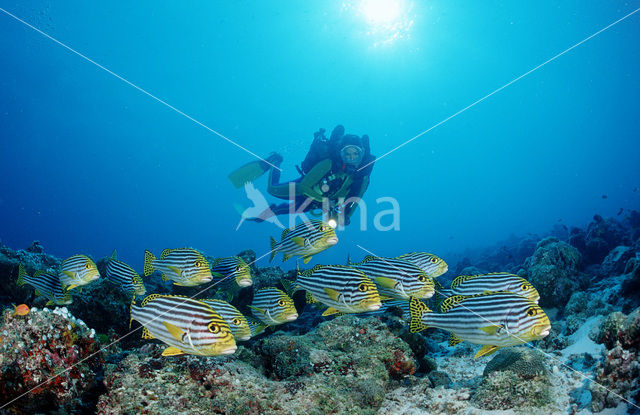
164 277
386 298
165 252
146 334
298 240
310 298
70 287
416 309
68 274
492 329
176 332
259 310
285 257
333 294
330 311
148 259
486 350
385 282
306 259
175 269
453 340
50 303
172 351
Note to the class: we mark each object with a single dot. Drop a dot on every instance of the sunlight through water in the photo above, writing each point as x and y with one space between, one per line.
386 21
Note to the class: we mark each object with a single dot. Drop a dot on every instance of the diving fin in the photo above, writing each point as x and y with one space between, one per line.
248 173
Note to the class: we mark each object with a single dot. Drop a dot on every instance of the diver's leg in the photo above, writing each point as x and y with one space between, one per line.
272 210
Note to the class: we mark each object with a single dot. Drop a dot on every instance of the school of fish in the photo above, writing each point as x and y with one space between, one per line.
493 310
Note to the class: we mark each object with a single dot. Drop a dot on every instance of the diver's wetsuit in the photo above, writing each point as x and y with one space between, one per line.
325 175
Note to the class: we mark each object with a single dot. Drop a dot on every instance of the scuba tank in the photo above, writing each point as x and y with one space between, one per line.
319 150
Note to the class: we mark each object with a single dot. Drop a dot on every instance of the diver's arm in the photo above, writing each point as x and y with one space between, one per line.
311 179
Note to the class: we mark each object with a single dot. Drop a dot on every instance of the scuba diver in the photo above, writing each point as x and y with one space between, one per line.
330 183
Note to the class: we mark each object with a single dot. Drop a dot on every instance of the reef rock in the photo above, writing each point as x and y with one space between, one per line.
515 377
346 365
48 361
618 375
553 270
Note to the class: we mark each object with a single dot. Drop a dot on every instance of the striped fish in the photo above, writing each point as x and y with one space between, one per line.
342 289
396 278
184 266
497 281
231 274
188 326
46 284
495 320
77 271
234 318
272 307
124 276
433 265
306 240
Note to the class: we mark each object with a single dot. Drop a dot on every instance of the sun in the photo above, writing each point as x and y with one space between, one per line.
381 11
384 21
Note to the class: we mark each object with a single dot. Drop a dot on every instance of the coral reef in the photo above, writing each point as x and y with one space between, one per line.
345 366
48 360
515 377
617 376
553 270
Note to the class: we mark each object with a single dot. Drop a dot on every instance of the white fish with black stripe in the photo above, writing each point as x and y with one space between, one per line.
188 326
342 289
305 240
124 276
396 278
494 320
270 307
184 266
76 271
432 264
235 319
46 284
231 274
497 281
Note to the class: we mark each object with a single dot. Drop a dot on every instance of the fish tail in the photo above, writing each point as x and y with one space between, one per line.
21 274
416 310
147 269
273 248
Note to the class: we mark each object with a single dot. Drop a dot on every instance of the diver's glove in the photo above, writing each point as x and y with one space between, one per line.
319 135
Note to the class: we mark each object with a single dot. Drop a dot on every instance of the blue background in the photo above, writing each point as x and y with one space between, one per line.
89 163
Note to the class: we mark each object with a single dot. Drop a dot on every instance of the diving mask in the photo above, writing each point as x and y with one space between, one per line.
352 155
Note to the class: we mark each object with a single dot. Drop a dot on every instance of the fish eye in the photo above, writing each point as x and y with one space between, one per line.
532 312
236 321
214 328
198 264
433 260
362 287
422 278
281 302
87 265
525 287
323 228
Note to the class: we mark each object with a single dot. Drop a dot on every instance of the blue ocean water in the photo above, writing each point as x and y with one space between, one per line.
88 163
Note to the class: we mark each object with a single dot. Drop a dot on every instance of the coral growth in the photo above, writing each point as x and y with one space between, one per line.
49 360
617 377
553 270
